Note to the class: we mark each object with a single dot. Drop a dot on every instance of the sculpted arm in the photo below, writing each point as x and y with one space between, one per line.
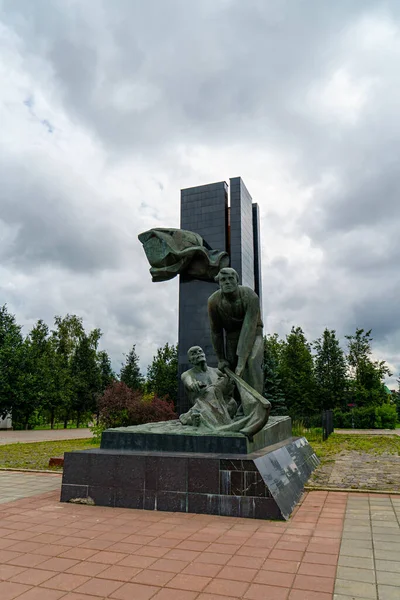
249 329
217 332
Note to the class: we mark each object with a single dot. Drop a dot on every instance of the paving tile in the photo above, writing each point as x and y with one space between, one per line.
388 578
349 550
388 565
39 593
249 562
322 559
237 573
314 584
355 588
204 596
136 560
10 590
136 591
387 592
345 597
281 566
225 587
213 558
85 568
28 560
99 587
9 571
384 555
351 574
150 577
262 592
274 578
307 595
163 564
169 594
356 562
32 576
193 583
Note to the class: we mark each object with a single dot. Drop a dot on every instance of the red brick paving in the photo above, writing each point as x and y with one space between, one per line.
50 550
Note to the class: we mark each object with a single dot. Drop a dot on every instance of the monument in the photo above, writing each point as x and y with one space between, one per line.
224 455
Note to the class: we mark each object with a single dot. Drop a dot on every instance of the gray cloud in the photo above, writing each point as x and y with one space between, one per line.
143 98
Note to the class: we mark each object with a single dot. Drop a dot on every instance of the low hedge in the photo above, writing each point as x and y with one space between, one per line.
371 417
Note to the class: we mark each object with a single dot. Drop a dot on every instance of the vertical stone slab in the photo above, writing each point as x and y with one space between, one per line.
241 232
257 252
204 210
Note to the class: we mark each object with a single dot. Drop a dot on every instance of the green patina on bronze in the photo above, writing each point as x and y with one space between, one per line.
176 251
214 409
237 328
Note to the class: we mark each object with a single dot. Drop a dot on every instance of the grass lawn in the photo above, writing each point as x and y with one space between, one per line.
38 454
368 444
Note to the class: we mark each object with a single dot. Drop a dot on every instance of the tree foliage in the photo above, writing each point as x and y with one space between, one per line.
366 382
162 374
297 374
130 371
272 383
59 375
120 406
11 356
330 372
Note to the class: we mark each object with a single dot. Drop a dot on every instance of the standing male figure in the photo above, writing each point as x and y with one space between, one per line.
234 310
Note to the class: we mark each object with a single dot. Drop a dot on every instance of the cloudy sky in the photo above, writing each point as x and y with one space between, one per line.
109 108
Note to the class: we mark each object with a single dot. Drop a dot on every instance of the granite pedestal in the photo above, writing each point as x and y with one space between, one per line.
151 437
264 484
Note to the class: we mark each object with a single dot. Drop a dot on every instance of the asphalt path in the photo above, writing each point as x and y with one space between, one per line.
42 435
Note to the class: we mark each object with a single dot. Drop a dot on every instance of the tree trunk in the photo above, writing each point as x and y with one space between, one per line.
66 421
52 418
78 420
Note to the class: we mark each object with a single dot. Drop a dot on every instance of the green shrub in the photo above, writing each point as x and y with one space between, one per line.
371 417
385 416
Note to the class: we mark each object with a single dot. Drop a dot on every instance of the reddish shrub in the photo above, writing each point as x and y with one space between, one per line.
120 406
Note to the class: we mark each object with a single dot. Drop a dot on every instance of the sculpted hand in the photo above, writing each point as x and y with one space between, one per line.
197 386
240 368
222 364
196 419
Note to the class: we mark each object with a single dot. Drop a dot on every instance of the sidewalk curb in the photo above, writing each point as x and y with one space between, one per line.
30 470
311 488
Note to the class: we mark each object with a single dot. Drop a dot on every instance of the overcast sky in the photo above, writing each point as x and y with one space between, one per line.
109 107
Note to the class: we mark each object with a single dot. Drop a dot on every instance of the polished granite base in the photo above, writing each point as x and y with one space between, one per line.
265 484
173 437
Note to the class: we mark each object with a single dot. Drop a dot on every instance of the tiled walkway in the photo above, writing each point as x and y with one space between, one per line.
15 485
50 550
369 561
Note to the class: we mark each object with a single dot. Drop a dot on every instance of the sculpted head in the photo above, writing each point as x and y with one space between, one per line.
196 355
228 280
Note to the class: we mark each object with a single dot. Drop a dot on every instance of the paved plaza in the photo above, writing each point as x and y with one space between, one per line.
336 546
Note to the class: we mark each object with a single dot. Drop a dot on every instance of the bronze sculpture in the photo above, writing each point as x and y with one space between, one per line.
237 328
176 251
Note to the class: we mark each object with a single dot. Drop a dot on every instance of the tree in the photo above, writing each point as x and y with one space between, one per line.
11 354
37 376
330 372
272 382
107 374
86 375
366 375
130 372
64 338
297 374
162 374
